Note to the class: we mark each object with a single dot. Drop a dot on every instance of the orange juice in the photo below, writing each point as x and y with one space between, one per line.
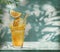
18 34
17 28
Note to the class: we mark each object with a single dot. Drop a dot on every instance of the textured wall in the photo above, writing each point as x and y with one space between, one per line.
43 23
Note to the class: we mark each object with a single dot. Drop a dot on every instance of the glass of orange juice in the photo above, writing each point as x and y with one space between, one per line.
17 28
18 35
